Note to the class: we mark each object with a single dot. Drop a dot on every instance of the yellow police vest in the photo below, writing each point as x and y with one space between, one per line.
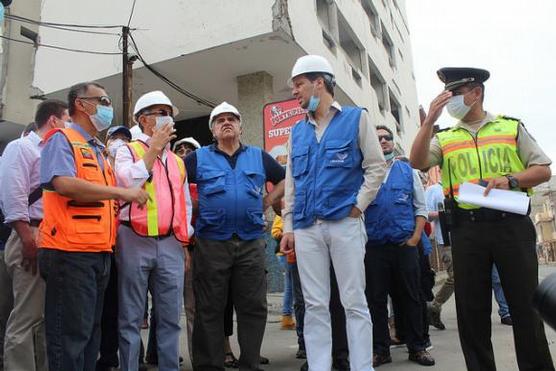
490 154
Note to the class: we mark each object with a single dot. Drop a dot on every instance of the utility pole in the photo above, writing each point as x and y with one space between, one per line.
126 78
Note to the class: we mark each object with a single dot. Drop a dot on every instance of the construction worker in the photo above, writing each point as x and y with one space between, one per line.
185 146
24 343
496 151
78 232
151 240
230 251
394 223
335 168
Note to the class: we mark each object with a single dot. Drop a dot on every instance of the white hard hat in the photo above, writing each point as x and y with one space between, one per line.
311 63
152 98
223 107
189 140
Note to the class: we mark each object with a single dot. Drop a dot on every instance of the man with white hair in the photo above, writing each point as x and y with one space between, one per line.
230 252
151 239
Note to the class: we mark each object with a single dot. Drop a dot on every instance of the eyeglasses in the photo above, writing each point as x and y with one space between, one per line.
160 112
385 137
103 100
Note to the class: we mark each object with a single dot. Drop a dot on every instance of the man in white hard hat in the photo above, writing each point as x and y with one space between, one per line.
185 146
230 252
151 240
335 168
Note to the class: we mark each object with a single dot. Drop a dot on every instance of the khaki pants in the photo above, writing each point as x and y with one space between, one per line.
447 288
24 344
6 303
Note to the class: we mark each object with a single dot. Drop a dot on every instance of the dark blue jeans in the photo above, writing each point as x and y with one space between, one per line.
75 285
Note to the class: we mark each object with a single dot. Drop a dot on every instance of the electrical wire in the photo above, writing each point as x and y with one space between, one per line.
131 14
174 85
48 24
60 47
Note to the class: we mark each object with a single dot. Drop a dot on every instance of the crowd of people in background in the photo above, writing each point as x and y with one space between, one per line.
92 228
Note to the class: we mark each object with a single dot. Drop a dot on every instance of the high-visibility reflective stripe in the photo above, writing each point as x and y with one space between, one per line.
152 209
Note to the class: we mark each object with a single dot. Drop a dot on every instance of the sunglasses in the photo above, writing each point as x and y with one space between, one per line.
103 100
385 137
160 112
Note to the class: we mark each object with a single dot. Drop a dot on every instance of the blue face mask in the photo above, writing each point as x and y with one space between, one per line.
314 102
389 156
103 118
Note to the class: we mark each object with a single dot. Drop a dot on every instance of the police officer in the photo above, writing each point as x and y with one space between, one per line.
498 152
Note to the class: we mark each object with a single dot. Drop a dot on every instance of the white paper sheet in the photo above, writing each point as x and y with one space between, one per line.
498 199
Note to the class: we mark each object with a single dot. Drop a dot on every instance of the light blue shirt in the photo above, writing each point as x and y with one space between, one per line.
58 156
20 176
433 196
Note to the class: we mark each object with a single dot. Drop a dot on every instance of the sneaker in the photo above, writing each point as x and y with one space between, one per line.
301 354
423 358
341 364
428 345
304 367
434 317
507 321
380 359
287 322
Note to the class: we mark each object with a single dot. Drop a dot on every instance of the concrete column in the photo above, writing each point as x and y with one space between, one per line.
254 91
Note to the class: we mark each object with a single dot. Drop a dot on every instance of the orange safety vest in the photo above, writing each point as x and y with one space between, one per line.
74 226
165 211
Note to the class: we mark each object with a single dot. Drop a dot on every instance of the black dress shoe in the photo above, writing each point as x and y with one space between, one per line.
380 359
341 364
264 360
507 321
301 354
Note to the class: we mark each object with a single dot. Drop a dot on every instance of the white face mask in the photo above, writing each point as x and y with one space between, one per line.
457 108
161 121
114 146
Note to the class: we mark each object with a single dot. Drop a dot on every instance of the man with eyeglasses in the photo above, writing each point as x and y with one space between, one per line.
497 152
151 240
78 230
394 223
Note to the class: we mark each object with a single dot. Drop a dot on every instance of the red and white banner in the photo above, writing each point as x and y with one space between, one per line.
278 118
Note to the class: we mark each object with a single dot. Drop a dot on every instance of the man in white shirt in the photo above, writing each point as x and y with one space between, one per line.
25 346
151 240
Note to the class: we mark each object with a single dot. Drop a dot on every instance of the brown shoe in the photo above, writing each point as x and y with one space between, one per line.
423 358
380 359
287 322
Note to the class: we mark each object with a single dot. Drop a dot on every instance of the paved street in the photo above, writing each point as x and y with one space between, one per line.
280 346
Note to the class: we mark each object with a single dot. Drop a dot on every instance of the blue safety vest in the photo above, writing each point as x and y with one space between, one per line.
390 218
327 174
230 200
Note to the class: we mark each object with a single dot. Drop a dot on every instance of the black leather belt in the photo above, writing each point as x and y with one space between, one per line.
128 224
35 222
485 215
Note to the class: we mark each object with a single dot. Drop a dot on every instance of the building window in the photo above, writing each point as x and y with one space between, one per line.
349 43
396 111
371 12
326 14
379 85
389 47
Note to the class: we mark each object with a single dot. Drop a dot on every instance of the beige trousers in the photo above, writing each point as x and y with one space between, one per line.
25 342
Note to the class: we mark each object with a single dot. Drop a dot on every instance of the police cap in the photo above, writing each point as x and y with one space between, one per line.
454 77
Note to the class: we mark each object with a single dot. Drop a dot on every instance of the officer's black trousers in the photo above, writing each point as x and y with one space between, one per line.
509 242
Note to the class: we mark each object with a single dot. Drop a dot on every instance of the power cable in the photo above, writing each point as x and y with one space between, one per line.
60 47
131 14
42 23
174 85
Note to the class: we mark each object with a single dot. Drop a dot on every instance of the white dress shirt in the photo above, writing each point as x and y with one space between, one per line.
130 173
20 171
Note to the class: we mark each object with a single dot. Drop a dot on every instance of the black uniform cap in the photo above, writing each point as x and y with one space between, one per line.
454 77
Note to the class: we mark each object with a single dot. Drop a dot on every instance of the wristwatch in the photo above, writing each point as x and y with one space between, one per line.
512 180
